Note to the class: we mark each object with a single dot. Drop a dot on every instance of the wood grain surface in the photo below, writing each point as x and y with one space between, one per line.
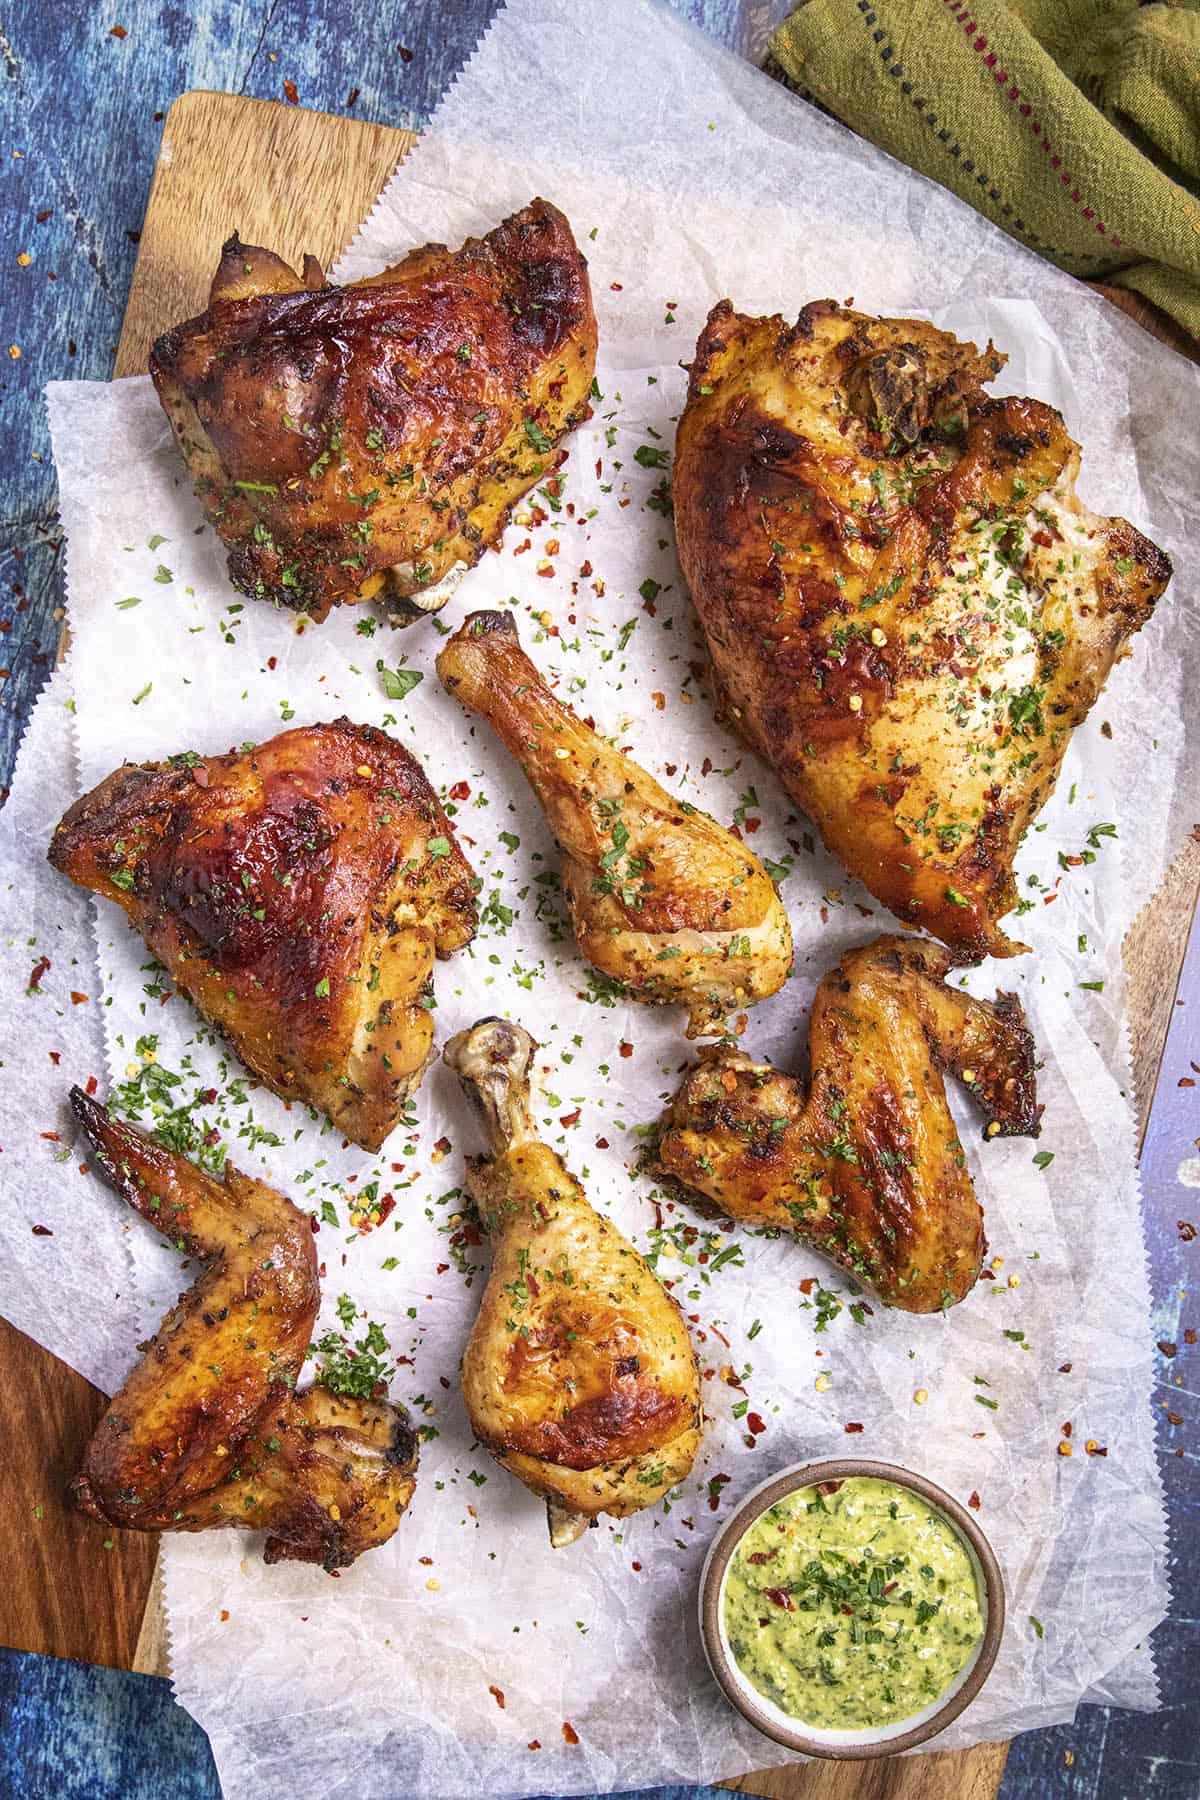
302 181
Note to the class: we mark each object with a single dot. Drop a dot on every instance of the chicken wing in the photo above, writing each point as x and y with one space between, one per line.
208 1429
579 1375
907 607
348 442
297 893
662 898
864 1162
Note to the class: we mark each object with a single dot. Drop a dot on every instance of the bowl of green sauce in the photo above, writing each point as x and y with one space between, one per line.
851 1608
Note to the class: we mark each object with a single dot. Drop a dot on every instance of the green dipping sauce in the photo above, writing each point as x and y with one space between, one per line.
854 1608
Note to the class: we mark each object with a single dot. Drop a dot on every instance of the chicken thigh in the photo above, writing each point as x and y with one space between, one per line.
864 1161
662 898
579 1375
908 608
367 440
208 1429
298 893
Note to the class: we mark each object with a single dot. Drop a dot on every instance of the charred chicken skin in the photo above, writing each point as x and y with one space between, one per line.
907 607
662 898
298 894
208 1429
579 1375
348 442
864 1162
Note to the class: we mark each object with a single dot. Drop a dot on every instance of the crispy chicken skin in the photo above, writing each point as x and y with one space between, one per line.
579 1375
662 898
349 440
208 1429
297 893
864 1162
907 607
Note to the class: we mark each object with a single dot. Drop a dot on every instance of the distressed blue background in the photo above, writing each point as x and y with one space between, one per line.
82 117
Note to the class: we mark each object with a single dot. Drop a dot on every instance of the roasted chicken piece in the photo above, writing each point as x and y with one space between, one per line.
579 1375
348 442
864 1161
907 607
208 1429
297 893
662 898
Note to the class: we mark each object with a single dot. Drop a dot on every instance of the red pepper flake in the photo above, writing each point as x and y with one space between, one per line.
756 1426
585 568
853 1426
118 31
617 287
625 1047
1066 1429
569 1732
55 1056
975 1502
406 56
441 1268
1187 1230
41 1231
533 1744
1167 1347
1189 1336
808 1284
461 791
40 968
1065 1368
291 94
571 1118
714 1490
51 1137
636 1567
602 1143
78 999
1186 1081
780 1597
498 1696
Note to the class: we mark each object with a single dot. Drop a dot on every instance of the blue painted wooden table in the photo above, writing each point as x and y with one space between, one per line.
86 91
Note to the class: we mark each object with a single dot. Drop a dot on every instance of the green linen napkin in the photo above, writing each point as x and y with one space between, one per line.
1074 124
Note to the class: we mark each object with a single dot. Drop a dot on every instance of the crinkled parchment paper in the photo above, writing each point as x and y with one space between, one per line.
688 177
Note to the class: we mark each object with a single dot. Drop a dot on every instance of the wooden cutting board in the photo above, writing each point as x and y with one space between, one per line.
301 181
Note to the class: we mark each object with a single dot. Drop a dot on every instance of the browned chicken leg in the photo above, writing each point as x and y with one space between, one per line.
907 607
347 442
298 893
208 1429
579 1375
662 898
864 1162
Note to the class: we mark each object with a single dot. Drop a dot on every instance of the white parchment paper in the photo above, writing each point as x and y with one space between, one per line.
699 179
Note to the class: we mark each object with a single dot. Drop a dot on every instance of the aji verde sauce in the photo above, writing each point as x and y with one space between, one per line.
853 1608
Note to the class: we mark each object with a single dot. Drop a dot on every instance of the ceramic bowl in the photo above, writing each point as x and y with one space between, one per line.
812 1740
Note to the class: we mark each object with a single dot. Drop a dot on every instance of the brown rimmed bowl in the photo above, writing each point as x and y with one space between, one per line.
814 1740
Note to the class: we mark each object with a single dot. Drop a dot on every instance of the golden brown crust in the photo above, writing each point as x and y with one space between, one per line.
865 1163
342 435
579 1375
662 898
208 1429
907 609
298 893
